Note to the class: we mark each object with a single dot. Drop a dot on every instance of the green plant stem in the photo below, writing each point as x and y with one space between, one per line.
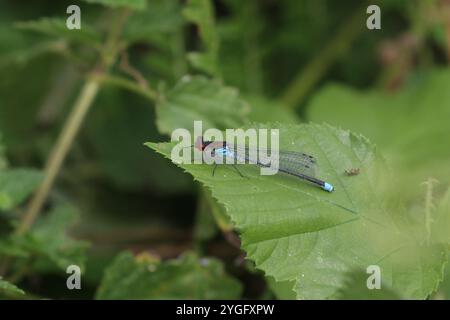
72 126
63 85
133 86
316 69
59 152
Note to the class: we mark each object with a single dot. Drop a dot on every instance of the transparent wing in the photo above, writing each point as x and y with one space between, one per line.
297 162
290 161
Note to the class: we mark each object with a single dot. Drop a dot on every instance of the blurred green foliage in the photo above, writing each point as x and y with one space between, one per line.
184 278
6 287
228 63
16 185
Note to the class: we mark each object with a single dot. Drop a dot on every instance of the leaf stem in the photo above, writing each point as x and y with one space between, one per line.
148 93
72 126
59 152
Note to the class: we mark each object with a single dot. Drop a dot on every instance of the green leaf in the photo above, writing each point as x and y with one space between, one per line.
22 56
283 290
187 277
218 212
197 98
203 61
264 110
444 288
8 248
9 288
201 13
411 126
47 243
440 226
440 220
56 27
160 16
133 4
355 288
297 232
16 185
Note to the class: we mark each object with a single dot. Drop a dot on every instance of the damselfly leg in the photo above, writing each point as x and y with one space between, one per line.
235 168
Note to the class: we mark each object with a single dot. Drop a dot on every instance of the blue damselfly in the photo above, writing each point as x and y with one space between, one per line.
298 164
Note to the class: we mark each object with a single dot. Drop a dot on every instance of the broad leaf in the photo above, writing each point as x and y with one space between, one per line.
16 185
444 288
132 4
297 232
203 61
160 17
355 288
187 277
56 27
283 290
440 220
8 288
411 127
264 110
197 98
22 56
47 243
218 106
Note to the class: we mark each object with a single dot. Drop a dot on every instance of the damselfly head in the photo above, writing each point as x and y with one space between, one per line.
199 143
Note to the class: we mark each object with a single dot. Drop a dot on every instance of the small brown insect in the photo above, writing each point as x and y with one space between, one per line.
352 171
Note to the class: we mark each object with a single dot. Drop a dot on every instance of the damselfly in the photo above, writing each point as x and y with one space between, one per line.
300 165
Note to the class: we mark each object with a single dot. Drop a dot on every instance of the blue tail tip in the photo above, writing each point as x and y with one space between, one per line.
328 187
